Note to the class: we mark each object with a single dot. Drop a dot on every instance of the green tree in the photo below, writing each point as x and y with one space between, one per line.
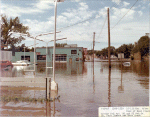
126 49
104 51
142 46
12 25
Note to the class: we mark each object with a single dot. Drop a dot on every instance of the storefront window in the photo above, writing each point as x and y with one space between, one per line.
73 51
61 57
41 57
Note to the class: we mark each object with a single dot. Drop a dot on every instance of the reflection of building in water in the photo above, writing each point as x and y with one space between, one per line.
63 54
6 72
73 68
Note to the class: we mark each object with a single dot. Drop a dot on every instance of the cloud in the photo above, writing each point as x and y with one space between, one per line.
36 26
102 12
140 13
44 4
14 10
77 0
126 3
116 1
119 12
72 16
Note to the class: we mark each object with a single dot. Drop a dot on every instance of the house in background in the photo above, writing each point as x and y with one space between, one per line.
121 56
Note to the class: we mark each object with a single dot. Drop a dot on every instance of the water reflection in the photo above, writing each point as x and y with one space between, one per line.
6 72
63 68
83 87
121 87
93 79
109 88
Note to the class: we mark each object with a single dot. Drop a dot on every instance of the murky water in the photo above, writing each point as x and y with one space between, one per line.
83 87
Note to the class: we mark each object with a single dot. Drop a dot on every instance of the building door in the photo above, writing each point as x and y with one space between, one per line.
70 60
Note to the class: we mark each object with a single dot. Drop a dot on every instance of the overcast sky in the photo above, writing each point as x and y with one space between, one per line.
78 19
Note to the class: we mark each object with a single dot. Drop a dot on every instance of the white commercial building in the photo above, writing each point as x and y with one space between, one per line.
5 55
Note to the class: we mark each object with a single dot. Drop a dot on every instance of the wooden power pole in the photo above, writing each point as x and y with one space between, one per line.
108 39
93 44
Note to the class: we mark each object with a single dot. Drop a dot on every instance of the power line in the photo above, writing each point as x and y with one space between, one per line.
125 14
103 26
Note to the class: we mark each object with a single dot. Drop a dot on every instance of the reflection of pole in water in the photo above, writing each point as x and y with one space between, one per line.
93 79
121 88
48 109
54 107
109 88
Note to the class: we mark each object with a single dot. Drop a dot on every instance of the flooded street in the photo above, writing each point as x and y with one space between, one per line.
82 87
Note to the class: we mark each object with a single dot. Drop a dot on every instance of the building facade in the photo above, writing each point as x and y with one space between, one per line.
5 55
62 54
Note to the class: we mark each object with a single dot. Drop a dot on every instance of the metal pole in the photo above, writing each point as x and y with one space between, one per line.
108 38
93 44
46 59
24 53
34 53
54 41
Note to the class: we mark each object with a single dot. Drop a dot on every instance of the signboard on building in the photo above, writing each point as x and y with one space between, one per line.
38 53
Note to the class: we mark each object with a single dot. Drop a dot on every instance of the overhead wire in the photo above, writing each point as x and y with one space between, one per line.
102 27
124 15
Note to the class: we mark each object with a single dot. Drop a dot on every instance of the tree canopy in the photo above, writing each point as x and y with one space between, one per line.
126 49
104 51
142 46
12 25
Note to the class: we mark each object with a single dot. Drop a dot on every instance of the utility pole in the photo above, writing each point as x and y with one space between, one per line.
93 44
108 39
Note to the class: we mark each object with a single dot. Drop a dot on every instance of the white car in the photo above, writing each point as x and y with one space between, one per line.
22 63
126 64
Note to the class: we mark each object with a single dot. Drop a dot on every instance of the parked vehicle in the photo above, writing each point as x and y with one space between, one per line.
22 63
4 64
126 64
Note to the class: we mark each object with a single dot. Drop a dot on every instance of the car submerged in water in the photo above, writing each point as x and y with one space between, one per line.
126 64
21 63
4 64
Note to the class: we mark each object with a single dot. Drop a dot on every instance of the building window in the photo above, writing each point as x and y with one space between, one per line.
26 58
73 51
60 57
41 57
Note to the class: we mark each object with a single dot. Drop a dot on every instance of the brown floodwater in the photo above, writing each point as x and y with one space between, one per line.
82 87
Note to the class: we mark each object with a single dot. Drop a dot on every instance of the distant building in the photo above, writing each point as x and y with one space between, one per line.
147 34
121 56
5 55
113 57
63 54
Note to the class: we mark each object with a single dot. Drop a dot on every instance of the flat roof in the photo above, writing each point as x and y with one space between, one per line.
58 47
